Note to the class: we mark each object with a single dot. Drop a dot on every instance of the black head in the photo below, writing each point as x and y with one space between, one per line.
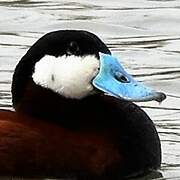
58 43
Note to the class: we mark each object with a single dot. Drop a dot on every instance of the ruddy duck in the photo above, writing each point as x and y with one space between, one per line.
74 116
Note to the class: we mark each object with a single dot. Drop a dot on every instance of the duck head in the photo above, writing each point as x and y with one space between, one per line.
76 64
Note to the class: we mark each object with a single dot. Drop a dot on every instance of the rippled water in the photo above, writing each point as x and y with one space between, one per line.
145 34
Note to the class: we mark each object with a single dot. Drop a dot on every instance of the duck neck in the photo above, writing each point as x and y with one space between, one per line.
45 104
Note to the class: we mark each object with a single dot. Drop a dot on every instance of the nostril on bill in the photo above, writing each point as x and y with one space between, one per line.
120 77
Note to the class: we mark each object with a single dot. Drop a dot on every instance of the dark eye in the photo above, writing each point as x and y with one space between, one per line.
73 48
120 77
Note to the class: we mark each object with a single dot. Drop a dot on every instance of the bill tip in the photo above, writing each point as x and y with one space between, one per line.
160 97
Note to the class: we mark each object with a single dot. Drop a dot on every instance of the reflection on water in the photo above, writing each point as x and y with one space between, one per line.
145 34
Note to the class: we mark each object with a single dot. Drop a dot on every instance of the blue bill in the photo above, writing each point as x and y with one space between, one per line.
115 81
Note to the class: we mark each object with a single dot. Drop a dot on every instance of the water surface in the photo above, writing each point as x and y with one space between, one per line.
144 34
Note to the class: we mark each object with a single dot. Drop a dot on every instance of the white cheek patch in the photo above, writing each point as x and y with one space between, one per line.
69 76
